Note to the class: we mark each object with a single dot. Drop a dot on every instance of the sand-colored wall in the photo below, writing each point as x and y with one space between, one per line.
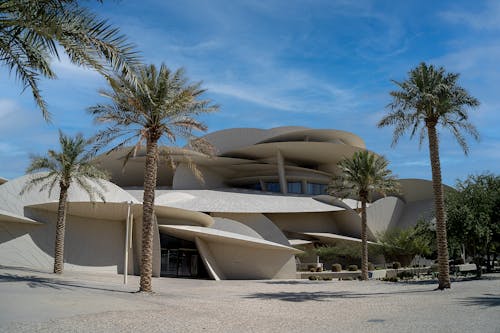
185 179
384 214
245 262
90 244
306 222
260 223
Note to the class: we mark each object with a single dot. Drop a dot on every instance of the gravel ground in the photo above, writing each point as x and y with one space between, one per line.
33 301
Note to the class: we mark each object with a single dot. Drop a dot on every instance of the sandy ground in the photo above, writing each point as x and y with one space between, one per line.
33 301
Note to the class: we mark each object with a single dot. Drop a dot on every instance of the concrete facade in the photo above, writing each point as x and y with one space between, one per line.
260 199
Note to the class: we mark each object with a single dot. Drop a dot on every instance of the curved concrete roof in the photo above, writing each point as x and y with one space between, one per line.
311 152
3 180
241 202
413 189
233 138
329 237
318 135
6 216
13 202
220 236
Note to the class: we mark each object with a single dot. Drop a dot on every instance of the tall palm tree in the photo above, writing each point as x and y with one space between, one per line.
431 98
71 165
32 33
162 105
362 175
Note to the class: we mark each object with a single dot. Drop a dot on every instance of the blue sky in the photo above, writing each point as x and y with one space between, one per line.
321 64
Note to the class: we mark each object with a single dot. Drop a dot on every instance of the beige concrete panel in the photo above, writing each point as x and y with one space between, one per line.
6 216
208 260
261 224
225 237
298 152
418 189
185 179
318 135
348 223
156 249
90 244
384 214
230 225
313 222
241 201
415 210
242 262
234 138
170 215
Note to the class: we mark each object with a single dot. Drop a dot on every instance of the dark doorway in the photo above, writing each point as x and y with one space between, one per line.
180 258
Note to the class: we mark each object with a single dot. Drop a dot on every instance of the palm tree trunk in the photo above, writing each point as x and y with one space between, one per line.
442 242
364 240
60 230
147 215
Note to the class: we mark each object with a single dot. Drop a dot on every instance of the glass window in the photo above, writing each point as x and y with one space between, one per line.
294 187
273 187
316 189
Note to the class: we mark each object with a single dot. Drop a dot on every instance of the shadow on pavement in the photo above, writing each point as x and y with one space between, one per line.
324 296
487 300
39 282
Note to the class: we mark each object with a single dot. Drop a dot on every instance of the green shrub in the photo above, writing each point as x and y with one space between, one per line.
336 267
313 277
396 265
405 275
327 278
319 269
352 268
390 279
312 269
371 267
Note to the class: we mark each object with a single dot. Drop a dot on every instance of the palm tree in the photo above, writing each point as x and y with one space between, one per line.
362 175
32 33
71 165
429 98
161 105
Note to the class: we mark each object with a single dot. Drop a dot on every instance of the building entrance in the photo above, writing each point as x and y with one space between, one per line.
180 258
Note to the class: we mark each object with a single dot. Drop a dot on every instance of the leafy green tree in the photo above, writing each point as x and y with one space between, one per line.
473 213
32 33
404 244
360 176
429 99
161 105
72 165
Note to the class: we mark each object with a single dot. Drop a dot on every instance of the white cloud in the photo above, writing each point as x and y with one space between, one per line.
485 19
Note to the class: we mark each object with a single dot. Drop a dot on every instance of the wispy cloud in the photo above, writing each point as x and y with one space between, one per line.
486 18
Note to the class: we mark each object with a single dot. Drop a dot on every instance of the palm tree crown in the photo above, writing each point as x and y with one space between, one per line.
71 165
362 175
161 105
31 32
430 96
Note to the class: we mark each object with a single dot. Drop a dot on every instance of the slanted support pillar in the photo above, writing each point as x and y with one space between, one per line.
304 186
281 172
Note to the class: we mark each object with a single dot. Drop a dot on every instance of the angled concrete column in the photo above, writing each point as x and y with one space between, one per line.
304 186
281 172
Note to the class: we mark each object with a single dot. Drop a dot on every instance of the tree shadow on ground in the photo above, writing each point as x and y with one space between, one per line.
39 282
325 296
487 300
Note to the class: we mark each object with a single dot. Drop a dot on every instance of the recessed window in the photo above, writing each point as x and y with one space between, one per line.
316 189
294 187
273 187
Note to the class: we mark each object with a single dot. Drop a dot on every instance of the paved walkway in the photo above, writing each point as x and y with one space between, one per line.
33 301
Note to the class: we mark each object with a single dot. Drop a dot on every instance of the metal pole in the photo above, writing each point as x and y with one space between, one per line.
127 231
